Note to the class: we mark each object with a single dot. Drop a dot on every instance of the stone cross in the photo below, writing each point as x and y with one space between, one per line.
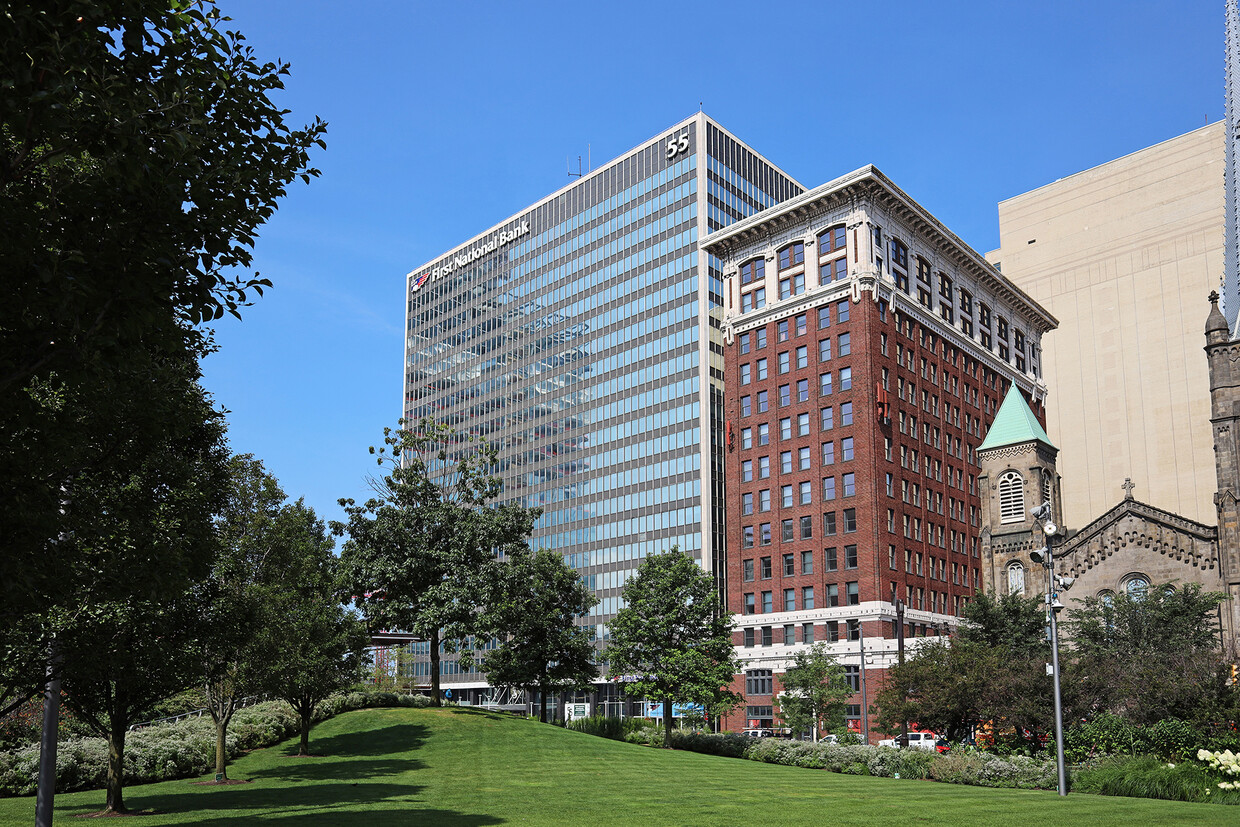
1128 486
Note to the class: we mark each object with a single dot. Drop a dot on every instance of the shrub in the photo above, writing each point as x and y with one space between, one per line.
1148 777
181 750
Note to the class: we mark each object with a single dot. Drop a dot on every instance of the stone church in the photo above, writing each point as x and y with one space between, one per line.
1133 544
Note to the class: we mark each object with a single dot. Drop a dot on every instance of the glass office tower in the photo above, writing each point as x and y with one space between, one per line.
582 337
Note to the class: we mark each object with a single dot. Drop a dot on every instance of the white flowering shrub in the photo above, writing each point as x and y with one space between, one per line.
1225 763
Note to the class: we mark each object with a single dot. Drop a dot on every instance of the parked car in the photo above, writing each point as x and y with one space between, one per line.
914 740
760 733
941 745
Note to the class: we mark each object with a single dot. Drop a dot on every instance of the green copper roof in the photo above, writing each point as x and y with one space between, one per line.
1014 424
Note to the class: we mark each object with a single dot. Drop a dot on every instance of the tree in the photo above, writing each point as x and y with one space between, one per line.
672 640
422 555
256 534
1147 655
537 604
942 687
815 691
140 151
1014 622
312 643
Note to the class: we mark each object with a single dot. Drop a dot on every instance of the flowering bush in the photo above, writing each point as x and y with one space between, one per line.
1225 763
181 750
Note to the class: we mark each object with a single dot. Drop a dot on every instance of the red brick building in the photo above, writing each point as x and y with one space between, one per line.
867 351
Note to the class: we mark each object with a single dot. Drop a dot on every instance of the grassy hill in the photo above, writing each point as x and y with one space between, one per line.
470 768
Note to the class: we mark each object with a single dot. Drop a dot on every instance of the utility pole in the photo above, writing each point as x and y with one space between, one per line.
899 607
1046 556
865 705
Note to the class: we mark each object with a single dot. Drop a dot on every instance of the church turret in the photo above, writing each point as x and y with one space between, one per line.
1017 463
1223 356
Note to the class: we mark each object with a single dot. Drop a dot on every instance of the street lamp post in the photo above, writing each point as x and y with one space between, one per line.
899 607
1046 556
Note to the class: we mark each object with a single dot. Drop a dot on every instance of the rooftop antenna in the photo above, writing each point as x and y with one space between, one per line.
569 163
1231 253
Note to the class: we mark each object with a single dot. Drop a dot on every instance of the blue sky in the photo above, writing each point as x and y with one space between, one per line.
448 117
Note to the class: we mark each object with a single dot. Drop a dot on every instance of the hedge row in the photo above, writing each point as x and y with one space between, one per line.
974 768
182 750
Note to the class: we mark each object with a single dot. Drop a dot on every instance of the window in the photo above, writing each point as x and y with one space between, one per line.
744 343
899 254
790 567
747 568
747 503
763 405
766 641
783 330
824 317
802 356
807 597
803 387
807 562
1016 579
828 419
850 484
803 424
746 437
746 470
852 674
785 499
828 489
792 255
786 530
784 362
790 634
767 606
854 596
746 405
824 350
764 499
807 492
850 520
745 374
845 344
803 456
764 434
824 384
807 633
766 568
833 631
828 524
854 630
761 369
846 449
764 467
807 527
850 557
1011 497
764 534
828 453
749 603
785 395
759 338
790 600
833 595
841 311
785 462
759 682
748 638
1137 585
831 240
845 379
752 271
830 560
747 536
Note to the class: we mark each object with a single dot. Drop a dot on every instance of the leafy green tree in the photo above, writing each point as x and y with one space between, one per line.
422 554
1145 656
256 534
815 691
543 649
672 640
942 686
312 644
1013 622
140 152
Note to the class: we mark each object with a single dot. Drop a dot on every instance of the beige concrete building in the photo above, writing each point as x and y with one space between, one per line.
1122 255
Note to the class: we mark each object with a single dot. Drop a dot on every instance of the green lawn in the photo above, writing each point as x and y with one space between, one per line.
465 767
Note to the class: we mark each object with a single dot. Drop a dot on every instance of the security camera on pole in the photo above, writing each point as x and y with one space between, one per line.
1046 557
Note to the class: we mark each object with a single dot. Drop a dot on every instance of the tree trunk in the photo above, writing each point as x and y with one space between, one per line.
305 713
116 768
667 723
221 750
435 696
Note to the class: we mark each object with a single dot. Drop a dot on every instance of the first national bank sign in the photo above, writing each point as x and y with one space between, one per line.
463 259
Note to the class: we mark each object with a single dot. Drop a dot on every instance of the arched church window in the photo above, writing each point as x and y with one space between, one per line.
1136 585
1016 579
1107 597
1046 487
1011 498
